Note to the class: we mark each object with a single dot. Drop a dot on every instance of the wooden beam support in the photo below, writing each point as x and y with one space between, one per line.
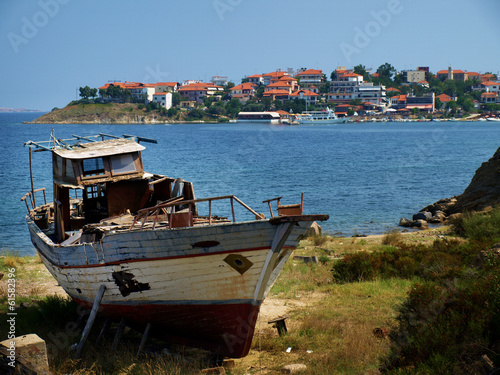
144 339
104 329
118 335
90 321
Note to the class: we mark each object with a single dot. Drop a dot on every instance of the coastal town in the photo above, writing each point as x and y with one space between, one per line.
383 93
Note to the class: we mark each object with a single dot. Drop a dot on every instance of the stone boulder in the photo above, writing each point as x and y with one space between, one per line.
483 192
484 189
422 215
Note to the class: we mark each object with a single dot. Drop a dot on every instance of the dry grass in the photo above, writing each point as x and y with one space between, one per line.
330 328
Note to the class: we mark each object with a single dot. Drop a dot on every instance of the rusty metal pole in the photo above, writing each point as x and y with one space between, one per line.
33 201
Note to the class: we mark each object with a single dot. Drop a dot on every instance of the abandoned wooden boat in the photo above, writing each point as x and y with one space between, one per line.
198 280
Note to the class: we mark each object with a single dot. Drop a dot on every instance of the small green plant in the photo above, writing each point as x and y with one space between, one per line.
393 238
324 259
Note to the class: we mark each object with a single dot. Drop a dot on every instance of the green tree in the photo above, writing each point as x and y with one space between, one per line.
278 104
259 92
172 111
196 114
176 99
85 92
217 110
452 106
253 107
437 103
325 88
361 69
386 70
233 107
266 103
208 100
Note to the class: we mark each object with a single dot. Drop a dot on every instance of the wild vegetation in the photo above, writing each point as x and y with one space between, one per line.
415 303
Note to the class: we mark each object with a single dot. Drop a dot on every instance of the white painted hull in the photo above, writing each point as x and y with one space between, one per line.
177 275
326 121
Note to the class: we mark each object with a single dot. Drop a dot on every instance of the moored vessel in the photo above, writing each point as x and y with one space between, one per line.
326 116
198 279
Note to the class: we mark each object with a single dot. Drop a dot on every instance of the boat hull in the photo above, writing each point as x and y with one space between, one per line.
326 121
199 286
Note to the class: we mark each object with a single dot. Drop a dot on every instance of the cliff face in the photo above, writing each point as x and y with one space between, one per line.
482 192
484 189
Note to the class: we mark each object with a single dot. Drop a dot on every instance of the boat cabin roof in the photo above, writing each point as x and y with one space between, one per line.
100 149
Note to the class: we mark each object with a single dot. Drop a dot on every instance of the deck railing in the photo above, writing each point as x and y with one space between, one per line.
31 196
163 207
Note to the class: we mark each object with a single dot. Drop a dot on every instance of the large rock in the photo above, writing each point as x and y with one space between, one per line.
422 216
28 352
482 192
484 189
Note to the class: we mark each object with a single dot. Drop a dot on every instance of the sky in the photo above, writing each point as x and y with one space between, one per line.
50 48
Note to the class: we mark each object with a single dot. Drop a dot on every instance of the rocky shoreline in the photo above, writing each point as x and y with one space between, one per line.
482 194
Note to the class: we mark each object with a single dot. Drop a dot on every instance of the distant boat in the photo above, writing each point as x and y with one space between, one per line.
272 117
493 119
326 116
199 280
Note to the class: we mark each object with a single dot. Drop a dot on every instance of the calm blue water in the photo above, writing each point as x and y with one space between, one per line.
365 176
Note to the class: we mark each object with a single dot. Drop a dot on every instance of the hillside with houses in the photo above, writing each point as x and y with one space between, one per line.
348 91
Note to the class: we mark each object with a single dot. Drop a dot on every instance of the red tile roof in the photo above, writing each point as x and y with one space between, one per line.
454 72
489 94
351 75
276 92
304 93
444 98
310 72
393 89
279 83
490 83
275 74
243 86
171 84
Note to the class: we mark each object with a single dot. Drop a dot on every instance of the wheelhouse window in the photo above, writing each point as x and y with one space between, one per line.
124 163
95 191
70 173
93 167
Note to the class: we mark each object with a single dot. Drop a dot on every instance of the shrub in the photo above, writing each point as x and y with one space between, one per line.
451 320
392 238
354 267
479 227
323 259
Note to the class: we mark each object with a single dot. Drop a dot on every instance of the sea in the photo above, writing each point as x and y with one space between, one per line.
365 176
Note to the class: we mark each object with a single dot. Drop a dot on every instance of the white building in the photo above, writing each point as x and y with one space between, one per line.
350 86
164 99
220 81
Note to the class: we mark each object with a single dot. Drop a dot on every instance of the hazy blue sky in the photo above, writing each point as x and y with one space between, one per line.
49 48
